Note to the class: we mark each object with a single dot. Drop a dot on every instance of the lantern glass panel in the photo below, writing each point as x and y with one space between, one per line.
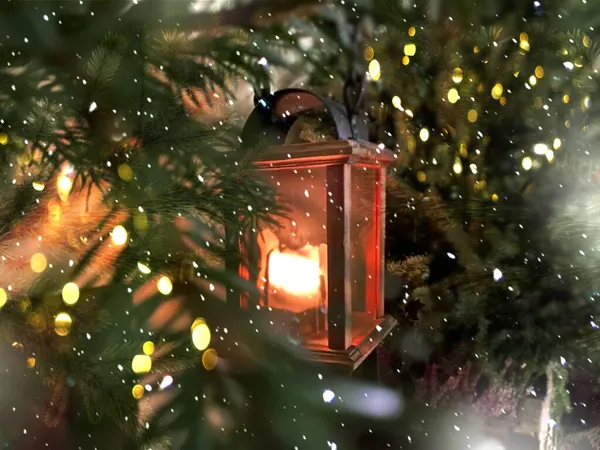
293 258
365 254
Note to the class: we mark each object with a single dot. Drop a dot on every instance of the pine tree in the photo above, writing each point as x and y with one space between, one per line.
490 107
115 192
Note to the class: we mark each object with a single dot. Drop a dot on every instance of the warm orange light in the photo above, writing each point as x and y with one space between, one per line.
298 273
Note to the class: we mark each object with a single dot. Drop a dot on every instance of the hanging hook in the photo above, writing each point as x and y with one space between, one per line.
354 87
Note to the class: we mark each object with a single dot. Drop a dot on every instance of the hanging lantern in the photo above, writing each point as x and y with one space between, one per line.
321 273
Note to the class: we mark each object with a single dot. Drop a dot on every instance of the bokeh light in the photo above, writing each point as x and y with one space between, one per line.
141 364
137 391
38 262
119 235
148 348
164 285
70 293
200 334
63 324
210 359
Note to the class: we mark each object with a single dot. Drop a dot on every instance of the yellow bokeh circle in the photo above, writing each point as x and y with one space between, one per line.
62 324
119 235
164 285
70 293
210 359
125 172
200 334
38 263
141 364
148 348
137 391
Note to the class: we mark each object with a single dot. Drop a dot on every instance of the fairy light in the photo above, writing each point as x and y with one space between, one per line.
374 70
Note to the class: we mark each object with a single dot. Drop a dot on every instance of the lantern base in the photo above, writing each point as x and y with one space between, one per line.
363 345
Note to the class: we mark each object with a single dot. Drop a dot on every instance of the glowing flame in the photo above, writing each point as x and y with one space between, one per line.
298 273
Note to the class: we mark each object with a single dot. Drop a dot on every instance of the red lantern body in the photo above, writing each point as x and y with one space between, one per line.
321 273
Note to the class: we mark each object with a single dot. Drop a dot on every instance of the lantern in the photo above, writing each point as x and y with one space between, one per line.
320 274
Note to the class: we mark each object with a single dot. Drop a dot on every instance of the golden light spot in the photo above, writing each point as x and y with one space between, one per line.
424 134
64 185
494 197
164 285
524 41
369 53
119 235
457 75
31 362
527 163
210 359
410 49
586 41
453 96
539 72
200 335
421 176
3 297
3 138
70 293
148 348
550 155
374 70
412 31
140 221
556 144
566 98
396 102
538 102
143 268
405 60
62 324
141 364
137 391
503 101
125 172
475 49
516 74
532 80
457 167
497 91
472 116
38 263
38 186
462 149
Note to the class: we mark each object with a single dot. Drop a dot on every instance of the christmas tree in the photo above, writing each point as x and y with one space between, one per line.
491 211
120 173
